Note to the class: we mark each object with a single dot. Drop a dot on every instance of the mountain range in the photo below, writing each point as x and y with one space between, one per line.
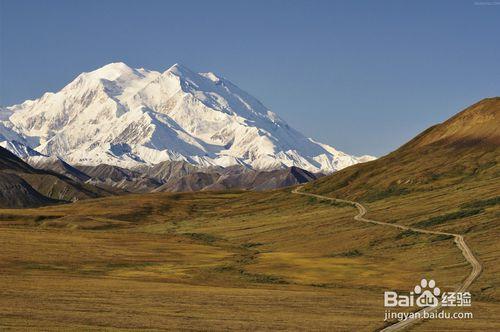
126 117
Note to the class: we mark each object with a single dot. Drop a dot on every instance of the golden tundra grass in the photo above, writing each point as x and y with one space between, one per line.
217 261
481 231
448 188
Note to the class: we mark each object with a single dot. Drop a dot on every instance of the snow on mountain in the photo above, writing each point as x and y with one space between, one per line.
126 117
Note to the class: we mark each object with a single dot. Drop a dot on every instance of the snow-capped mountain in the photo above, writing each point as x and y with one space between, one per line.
126 117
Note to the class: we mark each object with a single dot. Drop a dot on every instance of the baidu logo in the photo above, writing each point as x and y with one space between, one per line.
427 294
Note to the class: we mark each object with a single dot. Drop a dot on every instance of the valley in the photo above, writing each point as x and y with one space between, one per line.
211 255
212 260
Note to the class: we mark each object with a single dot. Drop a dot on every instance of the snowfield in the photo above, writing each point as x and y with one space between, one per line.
127 117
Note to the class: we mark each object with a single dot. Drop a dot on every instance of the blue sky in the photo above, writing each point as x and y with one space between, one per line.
363 76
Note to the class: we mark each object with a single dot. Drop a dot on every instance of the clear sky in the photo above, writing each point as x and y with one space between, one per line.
363 76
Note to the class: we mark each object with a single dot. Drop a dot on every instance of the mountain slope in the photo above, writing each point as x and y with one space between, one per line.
25 186
446 179
59 166
17 193
129 117
237 178
115 177
179 176
463 148
168 170
477 125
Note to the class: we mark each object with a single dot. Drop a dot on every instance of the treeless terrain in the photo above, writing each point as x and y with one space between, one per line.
203 261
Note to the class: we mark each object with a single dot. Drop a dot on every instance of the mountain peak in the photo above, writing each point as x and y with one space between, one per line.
112 71
116 65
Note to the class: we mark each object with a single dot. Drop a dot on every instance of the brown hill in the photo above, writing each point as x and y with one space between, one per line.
446 179
238 178
478 124
463 148
180 176
15 193
22 185
61 167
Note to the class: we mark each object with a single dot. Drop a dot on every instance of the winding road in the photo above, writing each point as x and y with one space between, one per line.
459 241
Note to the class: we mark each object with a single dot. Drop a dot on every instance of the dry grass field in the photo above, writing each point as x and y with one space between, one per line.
209 261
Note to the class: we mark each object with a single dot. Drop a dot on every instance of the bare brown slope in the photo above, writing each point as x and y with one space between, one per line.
31 184
234 178
8 161
17 193
61 167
